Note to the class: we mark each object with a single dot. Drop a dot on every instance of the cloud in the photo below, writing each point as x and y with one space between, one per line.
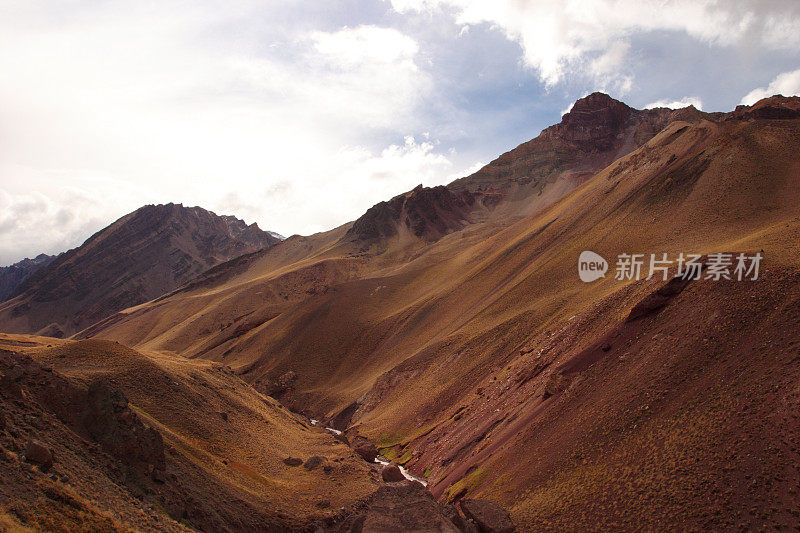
327 202
332 191
787 84
135 103
468 171
677 104
355 47
591 37
59 219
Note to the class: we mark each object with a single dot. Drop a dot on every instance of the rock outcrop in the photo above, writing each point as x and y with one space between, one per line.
774 107
278 387
99 413
487 515
109 420
397 507
427 213
408 506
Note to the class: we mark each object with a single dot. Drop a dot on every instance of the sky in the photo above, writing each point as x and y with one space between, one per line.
300 115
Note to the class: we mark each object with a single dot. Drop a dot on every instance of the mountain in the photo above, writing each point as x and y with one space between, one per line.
448 327
11 276
596 131
137 258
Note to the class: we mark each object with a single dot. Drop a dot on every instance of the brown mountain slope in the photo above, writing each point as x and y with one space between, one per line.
662 422
137 258
220 467
596 131
412 346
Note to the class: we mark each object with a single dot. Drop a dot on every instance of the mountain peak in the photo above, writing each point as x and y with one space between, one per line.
592 118
596 101
426 212
142 255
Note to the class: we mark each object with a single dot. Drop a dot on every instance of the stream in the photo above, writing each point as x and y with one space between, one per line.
380 459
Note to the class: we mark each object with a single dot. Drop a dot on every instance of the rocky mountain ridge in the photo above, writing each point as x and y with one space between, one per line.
137 258
13 275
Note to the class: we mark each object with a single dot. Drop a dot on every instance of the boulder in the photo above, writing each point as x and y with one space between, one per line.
292 461
487 515
365 449
461 523
391 473
367 452
39 454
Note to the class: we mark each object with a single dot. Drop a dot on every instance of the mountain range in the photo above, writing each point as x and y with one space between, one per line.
447 330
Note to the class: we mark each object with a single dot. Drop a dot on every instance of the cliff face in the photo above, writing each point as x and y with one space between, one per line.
12 276
137 258
426 213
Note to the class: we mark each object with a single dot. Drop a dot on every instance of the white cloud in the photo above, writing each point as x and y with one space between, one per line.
363 45
787 84
60 217
677 104
138 103
375 176
592 36
328 192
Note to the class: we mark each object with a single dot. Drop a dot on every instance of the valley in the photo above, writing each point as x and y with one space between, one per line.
447 331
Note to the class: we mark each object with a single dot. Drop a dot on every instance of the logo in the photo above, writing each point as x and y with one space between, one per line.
591 266
633 267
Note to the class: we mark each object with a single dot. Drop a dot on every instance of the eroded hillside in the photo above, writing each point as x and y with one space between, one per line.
450 328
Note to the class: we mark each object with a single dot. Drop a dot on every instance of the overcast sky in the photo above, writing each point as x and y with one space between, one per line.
299 115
